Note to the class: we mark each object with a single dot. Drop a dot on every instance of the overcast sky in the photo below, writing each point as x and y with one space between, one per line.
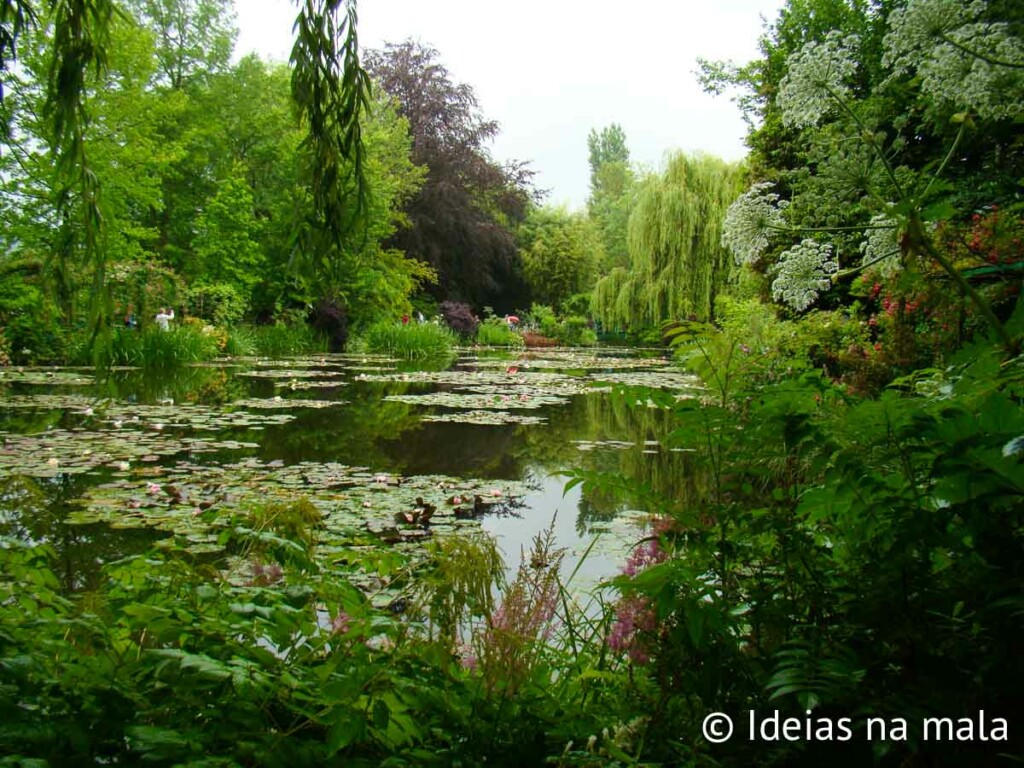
550 70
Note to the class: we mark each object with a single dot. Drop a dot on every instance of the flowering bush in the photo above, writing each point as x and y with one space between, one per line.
635 621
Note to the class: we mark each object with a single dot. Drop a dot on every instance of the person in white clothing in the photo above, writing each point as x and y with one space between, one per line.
163 319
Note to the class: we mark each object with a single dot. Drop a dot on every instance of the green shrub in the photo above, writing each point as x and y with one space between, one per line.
494 332
282 339
543 318
29 317
411 341
575 332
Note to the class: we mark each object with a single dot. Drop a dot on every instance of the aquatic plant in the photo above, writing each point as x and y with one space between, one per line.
148 348
283 339
410 341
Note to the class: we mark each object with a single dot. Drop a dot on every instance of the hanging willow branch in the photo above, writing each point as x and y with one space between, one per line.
81 36
16 16
332 92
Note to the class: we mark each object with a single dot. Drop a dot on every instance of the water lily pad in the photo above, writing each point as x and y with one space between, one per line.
479 401
299 384
273 403
48 402
192 500
45 377
672 379
571 360
484 417
288 373
77 451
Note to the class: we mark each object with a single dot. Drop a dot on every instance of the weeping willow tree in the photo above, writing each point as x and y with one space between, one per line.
677 265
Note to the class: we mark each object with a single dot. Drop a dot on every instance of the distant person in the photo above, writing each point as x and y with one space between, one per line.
130 321
405 319
420 318
163 319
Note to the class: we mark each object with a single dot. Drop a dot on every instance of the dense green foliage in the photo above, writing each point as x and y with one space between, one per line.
561 253
677 264
233 186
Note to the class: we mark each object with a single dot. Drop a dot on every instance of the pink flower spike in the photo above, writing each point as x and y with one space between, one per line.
339 624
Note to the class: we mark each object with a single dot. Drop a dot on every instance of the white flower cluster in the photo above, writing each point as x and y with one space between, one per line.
882 246
921 24
804 272
816 77
930 37
749 221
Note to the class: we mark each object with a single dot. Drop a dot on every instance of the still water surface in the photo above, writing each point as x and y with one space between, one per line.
102 469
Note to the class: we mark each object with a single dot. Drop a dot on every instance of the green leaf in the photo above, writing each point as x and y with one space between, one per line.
348 726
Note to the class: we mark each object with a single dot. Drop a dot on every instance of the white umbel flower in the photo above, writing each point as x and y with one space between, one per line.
804 272
816 79
935 38
881 248
746 230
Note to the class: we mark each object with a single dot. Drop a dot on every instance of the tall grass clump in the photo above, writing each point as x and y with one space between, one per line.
240 342
283 339
149 348
412 341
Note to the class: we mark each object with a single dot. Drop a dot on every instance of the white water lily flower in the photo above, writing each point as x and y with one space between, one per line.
123 466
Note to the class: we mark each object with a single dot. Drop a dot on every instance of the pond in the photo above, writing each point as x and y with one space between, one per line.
388 452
